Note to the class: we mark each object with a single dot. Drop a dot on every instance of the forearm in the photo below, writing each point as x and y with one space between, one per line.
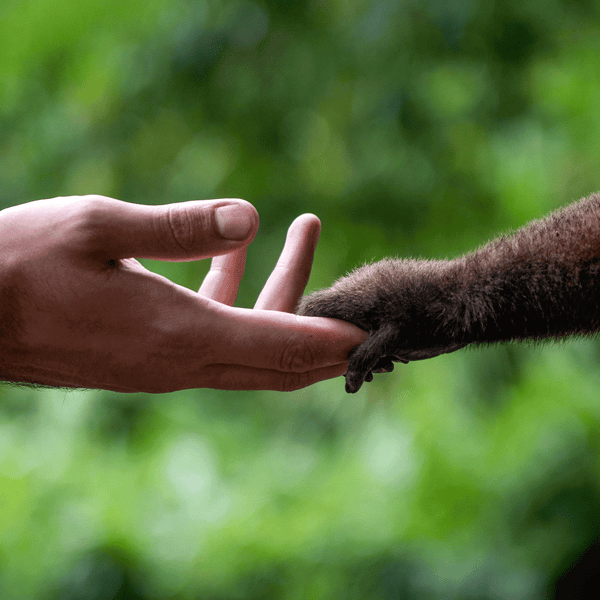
542 281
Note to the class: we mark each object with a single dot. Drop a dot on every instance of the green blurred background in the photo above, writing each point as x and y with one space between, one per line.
411 128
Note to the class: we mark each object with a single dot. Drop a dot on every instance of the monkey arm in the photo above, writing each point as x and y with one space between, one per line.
543 281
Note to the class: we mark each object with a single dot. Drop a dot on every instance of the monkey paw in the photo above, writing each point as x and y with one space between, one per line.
399 304
379 352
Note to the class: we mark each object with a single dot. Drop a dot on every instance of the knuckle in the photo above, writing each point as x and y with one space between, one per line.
85 208
90 207
87 219
299 355
182 227
293 381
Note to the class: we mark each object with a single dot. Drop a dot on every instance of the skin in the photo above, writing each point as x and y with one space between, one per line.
540 282
78 310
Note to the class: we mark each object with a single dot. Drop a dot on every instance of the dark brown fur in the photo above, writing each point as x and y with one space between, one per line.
543 281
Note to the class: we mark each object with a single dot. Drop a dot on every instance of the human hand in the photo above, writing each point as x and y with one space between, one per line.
77 310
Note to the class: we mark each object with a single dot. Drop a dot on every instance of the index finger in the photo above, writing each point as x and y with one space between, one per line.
276 340
290 276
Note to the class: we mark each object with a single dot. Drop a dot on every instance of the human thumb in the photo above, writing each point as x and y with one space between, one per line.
208 228
176 232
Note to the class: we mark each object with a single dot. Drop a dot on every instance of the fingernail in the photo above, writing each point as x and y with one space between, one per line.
234 222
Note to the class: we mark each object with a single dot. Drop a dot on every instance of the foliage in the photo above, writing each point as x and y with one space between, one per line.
409 128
